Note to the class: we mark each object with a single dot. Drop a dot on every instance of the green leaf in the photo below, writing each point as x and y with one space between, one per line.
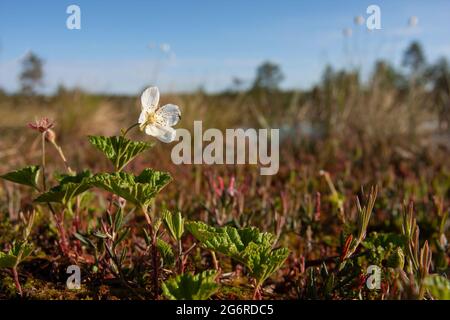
100 235
27 176
123 256
384 240
147 238
22 250
122 235
248 245
396 259
119 150
191 287
70 186
175 224
261 261
118 219
228 240
19 252
166 252
329 284
7 260
139 190
84 240
438 286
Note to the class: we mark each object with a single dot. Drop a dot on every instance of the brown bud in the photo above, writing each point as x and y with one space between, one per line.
346 247
50 135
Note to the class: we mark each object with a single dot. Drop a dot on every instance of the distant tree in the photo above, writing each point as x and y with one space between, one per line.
237 84
414 58
61 90
326 86
385 75
328 76
32 73
339 79
438 77
268 76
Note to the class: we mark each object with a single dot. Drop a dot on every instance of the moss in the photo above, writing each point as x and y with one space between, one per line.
231 292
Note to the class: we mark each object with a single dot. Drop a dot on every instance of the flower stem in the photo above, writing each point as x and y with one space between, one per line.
155 265
215 261
16 280
44 184
59 220
257 292
124 133
63 158
180 257
63 242
154 252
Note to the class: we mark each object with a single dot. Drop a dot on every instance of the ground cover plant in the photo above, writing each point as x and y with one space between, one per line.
60 204
362 189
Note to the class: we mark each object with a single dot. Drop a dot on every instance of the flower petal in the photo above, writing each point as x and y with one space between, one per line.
142 117
168 115
150 99
165 134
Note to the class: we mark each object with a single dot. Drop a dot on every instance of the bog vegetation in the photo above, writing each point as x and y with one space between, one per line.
364 181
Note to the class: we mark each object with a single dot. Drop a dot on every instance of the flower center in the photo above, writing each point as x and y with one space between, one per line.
150 119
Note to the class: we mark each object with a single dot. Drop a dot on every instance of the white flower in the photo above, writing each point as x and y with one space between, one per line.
158 122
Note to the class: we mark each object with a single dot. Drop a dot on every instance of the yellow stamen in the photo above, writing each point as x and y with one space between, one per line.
150 119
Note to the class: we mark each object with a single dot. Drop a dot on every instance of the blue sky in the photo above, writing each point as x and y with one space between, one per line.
118 48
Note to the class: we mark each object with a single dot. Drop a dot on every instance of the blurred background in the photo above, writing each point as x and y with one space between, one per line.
308 67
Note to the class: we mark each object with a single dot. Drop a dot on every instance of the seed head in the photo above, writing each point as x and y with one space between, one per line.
42 125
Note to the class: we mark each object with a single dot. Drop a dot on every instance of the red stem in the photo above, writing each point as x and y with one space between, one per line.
257 293
155 265
16 280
